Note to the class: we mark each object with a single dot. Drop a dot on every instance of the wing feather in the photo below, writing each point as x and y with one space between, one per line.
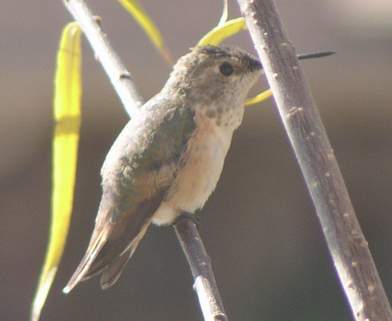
137 172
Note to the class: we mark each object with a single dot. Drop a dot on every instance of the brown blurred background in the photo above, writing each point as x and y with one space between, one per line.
259 226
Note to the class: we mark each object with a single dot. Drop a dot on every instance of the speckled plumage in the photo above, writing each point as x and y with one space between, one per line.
168 159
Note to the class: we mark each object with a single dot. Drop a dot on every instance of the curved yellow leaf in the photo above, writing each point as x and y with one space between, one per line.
221 32
65 146
141 17
264 95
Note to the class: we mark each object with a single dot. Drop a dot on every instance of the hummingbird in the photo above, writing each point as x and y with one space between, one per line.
168 159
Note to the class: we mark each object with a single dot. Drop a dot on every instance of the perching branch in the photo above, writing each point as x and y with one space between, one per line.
186 230
200 264
347 245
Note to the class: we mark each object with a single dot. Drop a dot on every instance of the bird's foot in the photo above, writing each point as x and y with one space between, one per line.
190 216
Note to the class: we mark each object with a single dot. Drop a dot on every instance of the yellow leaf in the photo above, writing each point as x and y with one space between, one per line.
141 17
221 32
65 146
264 95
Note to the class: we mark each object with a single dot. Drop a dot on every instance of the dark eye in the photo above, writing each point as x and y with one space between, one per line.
226 69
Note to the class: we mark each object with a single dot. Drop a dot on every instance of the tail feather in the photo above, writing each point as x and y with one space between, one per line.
88 259
112 273
114 270
113 242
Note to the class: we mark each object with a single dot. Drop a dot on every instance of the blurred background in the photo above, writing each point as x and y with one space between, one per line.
259 227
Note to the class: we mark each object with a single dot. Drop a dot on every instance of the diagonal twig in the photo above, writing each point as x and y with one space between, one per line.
119 76
186 230
346 242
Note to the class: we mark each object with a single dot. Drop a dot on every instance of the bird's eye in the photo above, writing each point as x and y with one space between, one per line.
226 69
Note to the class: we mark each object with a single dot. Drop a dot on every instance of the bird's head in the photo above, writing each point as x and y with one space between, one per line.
211 74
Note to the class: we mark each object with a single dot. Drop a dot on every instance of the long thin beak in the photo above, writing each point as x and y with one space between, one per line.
256 65
315 55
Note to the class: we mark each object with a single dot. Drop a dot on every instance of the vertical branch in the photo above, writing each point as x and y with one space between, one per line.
346 242
186 230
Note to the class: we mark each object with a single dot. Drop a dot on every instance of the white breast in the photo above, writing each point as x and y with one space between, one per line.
201 168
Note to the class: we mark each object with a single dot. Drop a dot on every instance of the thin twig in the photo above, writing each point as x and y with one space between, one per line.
186 231
346 242
202 272
119 76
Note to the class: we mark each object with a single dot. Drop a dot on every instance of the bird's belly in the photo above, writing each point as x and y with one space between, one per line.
201 168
